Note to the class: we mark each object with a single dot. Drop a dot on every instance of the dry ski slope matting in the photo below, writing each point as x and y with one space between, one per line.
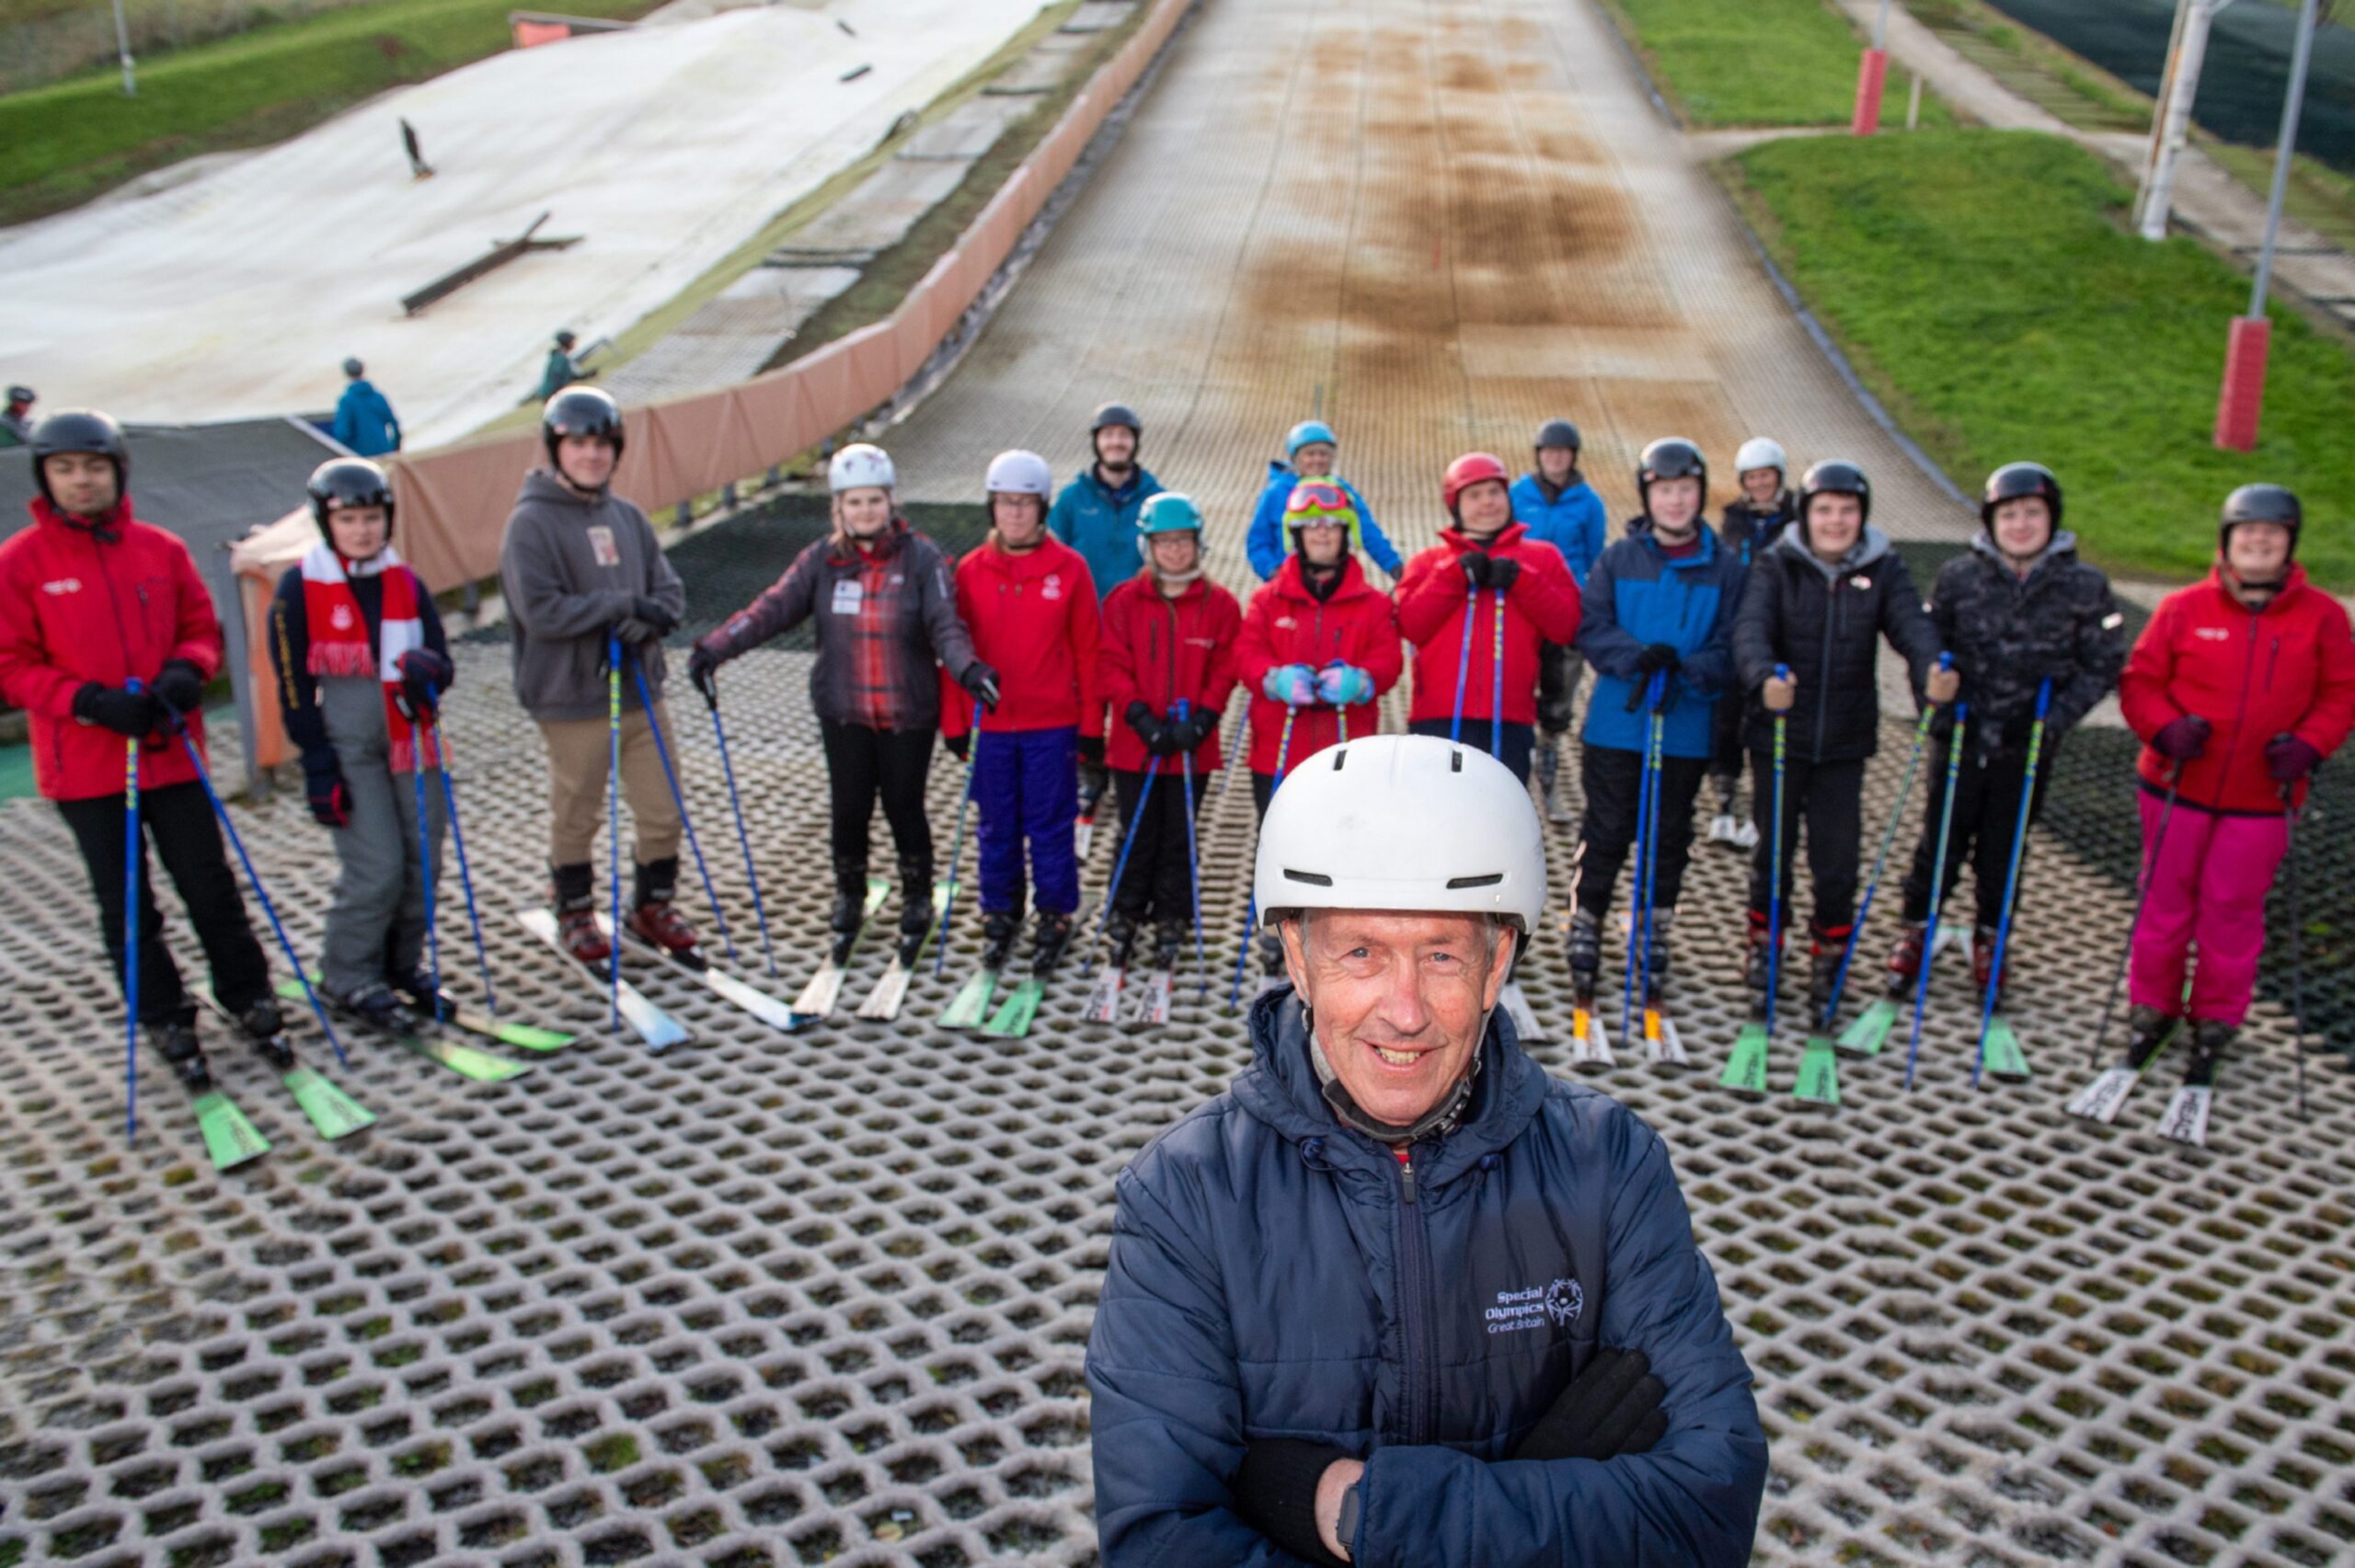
823 1297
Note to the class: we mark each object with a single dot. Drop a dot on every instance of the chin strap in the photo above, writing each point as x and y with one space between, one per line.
1437 1122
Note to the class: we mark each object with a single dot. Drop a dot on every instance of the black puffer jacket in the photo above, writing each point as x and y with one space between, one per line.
2007 633
1750 530
1826 622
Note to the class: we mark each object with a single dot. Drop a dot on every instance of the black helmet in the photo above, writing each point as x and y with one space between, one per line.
582 411
1559 432
20 393
348 482
1671 457
564 338
352 367
1833 478
1119 413
80 429
2250 503
2014 481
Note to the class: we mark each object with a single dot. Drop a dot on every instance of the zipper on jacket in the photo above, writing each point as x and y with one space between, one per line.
1415 1287
2248 669
1836 614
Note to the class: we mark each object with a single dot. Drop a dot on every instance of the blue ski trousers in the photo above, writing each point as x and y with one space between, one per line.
1026 784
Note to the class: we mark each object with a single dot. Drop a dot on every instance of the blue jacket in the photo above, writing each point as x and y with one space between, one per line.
1270 1277
1638 595
1267 546
1573 523
364 421
1101 524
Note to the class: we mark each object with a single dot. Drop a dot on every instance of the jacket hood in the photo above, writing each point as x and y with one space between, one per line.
542 486
2062 549
106 530
1280 1089
1640 526
2291 584
1870 546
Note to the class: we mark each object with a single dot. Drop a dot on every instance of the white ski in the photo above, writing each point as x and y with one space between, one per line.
1523 1017
1589 1045
819 998
2099 1101
656 1027
1662 1046
725 986
1151 1004
890 993
1104 997
2185 1120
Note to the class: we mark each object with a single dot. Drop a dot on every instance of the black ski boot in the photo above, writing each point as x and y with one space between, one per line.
1905 958
1757 963
1049 936
1549 778
999 928
265 1026
2210 1038
1656 968
175 1039
1120 937
424 998
850 909
2147 1031
1826 954
1585 956
1169 942
915 908
377 1005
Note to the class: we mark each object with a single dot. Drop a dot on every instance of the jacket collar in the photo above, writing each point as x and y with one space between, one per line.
2291 584
1870 546
1640 526
1291 581
2062 549
1461 543
846 551
105 530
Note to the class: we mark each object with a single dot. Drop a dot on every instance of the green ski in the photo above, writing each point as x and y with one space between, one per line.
332 1111
972 1003
229 1138
1866 1037
1818 1083
465 1060
1015 1015
524 1037
2002 1050
1746 1069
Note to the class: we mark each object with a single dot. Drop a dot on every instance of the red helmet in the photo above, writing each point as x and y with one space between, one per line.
1472 468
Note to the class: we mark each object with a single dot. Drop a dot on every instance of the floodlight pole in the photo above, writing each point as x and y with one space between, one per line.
2242 397
2171 122
122 47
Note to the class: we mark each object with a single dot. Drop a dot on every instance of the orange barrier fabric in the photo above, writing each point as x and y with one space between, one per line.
531 34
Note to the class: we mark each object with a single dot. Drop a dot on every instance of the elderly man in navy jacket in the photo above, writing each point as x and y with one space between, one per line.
1397 1296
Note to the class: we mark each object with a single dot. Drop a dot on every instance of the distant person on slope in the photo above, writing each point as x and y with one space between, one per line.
562 369
1753 521
17 418
1310 451
1561 509
365 422
417 168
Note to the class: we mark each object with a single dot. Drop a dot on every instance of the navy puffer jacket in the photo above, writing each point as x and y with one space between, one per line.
1274 1275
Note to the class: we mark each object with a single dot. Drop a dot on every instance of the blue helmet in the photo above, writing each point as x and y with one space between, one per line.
1308 431
1168 512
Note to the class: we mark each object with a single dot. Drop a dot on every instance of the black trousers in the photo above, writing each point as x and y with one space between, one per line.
1519 740
862 763
1829 796
1613 781
1158 883
1986 808
1558 668
1725 736
179 822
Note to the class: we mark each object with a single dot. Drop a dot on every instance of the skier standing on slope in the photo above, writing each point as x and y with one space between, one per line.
1659 603
2015 610
2240 687
362 664
92 601
1319 647
1562 510
885 613
1819 600
1168 639
1753 521
577 563
1030 604
1484 566
1310 451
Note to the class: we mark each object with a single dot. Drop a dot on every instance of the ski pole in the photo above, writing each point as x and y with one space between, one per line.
1463 664
425 871
956 847
2011 877
1193 869
1121 865
1937 890
134 861
1651 856
1497 682
261 894
1880 860
1636 880
679 799
2297 947
614 826
466 876
1251 908
1775 866
743 840
2135 923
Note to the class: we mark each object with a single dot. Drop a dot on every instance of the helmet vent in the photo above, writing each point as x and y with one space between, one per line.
1340 757
1491 880
1314 878
1456 761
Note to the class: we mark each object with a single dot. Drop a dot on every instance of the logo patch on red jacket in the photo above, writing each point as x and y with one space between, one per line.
62 585
2210 634
1051 586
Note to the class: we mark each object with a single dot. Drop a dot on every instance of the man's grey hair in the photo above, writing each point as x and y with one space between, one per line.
1490 925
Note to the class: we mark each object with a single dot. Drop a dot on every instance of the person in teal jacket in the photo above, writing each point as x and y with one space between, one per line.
1309 454
1095 514
365 424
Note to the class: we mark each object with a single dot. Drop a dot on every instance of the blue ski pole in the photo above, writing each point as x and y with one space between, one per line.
466 876
1651 853
1121 865
743 840
1194 870
956 847
1880 860
134 861
1937 890
1251 907
679 799
2011 878
1636 879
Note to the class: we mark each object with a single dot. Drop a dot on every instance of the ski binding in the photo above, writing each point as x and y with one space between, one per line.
1589 1045
1662 1046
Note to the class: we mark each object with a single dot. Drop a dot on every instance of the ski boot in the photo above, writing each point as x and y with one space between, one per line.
1656 968
1826 954
1050 934
2211 1037
1758 962
1120 937
424 998
655 918
1905 958
915 908
377 1005
572 892
175 1039
2147 1031
999 928
1725 827
265 1026
1585 956
1983 964
1169 942
1549 779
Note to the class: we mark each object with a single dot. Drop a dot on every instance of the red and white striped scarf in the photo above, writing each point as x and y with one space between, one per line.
339 632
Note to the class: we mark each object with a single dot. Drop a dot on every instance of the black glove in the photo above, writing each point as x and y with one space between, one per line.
655 614
425 675
179 686
1197 726
2290 759
1476 567
134 713
1275 1493
1150 728
1612 1408
323 787
1656 658
981 684
703 665
1091 750
1503 572
960 745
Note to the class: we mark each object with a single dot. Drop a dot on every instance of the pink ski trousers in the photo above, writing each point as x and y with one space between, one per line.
2208 888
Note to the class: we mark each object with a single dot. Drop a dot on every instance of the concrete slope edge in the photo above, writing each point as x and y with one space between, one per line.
1823 340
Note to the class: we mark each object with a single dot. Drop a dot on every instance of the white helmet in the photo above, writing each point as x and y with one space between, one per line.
1759 452
1020 473
1405 822
858 466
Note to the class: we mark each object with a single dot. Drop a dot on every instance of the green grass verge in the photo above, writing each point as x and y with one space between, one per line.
72 140
1757 62
1988 291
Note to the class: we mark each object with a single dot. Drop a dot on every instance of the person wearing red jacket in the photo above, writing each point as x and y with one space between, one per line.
1168 663
1486 583
106 636
1031 605
2239 687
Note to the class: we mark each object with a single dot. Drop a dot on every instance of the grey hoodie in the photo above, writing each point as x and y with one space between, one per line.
570 566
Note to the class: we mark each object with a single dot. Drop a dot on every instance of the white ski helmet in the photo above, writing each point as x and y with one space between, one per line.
1405 822
1759 452
859 466
1019 473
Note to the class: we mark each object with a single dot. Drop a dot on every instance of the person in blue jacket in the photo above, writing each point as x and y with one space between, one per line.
1310 451
1398 1296
1659 605
365 422
1095 514
1561 509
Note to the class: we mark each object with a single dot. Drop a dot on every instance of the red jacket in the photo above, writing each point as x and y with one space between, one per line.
1157 650
1033 620
2252 675
1288 624
1541 607
73 611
